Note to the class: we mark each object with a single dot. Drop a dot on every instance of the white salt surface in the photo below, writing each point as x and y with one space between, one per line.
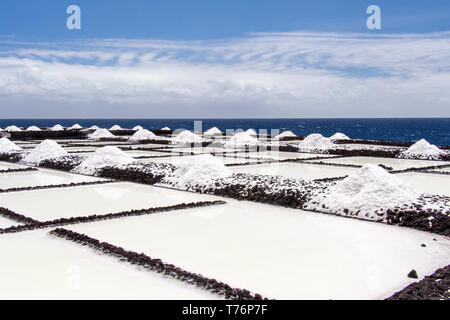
33 128
282 253
57 127
75 126
315 141
143 134
95 199
94 127
284 135
213 131
115 127
396 164
8 165
138 128
101 134
241 140
41 177
36 265
295 170
422 149
12 128
339 136
186 137
176 160
280 155
165 129
442 170
102 157
7 145
427 183
6 223
47 149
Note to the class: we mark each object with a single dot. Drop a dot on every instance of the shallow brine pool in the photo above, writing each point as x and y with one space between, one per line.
51 204
296 170
396 164
41 177
281 253
427 182
35 265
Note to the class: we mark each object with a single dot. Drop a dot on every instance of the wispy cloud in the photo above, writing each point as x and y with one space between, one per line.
269 74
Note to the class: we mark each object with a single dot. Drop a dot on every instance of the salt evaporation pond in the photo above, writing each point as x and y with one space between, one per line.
181 159
6 223
427 182
39 266
8 165
396 164
296 170
280 155
281 253
41 177
94 199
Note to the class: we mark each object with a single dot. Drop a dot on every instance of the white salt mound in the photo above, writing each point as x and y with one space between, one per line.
75 127
422 149
315 141
199 170
115 127
100 134
12 128
339 136
251 132
106 156
186 137
57 127
94 127
285 134
142 134
241 140
138 128
33 128
213 131
165 129
47 149
369 189
7 146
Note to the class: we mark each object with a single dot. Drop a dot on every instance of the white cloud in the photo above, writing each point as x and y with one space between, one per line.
283 74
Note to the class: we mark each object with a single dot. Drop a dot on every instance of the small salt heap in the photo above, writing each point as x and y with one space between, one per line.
251 132
165 129
213 131
75 127
115 127
33 128
339 136
422 149
94 127
136 128
103 157
186 137
369 189
57 127
7 146
143 134
241 140
101 134
47 149
315 142
200 170
284 135
12 129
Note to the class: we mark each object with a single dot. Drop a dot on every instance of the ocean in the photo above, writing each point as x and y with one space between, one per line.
435 130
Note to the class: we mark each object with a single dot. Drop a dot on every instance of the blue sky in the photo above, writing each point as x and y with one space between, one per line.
208 58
